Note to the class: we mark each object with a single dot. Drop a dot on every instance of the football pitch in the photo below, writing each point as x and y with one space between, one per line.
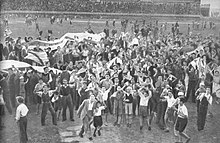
20 29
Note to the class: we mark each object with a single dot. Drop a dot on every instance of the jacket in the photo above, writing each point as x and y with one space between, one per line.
84 108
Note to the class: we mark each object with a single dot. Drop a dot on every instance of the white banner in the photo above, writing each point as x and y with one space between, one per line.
65 38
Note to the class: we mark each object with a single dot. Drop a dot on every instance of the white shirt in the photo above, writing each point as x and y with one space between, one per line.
170 101
182 109
98 111
90 105
21 111
144 100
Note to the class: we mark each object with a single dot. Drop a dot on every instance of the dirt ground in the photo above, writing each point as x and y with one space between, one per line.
110 133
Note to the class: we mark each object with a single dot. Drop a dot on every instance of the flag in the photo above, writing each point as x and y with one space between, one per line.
38 57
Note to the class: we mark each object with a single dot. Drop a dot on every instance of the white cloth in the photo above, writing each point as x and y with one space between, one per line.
216 83
90 105
2 102
21 111
105 95
144 100
183 110
54 99
205 95
170 101
98 111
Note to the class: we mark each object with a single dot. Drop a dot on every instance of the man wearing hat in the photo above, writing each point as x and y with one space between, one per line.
21 119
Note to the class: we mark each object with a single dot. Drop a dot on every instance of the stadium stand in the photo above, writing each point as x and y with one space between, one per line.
187 8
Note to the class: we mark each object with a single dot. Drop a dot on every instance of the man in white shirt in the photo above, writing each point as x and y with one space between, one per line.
145 95
21 119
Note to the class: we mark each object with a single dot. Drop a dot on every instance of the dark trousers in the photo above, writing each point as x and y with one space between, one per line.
201 115
45 108
29 97
191 91
67 102
22 124
2 113
7 103
135 104
161 109
73 95
77 100
12 97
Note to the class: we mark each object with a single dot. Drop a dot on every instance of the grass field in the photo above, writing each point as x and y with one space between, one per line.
49 133
19 28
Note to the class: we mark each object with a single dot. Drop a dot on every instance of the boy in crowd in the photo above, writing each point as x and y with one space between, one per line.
145 95
46 96
37 90
182 120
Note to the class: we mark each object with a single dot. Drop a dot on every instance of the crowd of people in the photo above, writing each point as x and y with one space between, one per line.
110 7
144 73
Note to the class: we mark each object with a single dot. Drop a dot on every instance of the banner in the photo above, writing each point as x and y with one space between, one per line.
39 57
64 39
7 64
40 69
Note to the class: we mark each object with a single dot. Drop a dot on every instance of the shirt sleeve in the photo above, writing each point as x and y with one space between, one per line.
18 113
185 111
50 93
102 107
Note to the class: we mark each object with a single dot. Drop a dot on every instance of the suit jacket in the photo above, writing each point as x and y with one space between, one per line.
84 108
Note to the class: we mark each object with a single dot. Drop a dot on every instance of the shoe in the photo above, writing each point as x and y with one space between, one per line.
63 120
187 141
118 125
72 120
141 127
99 132
94 135
149 128
115 123
90 138
43 124
55 124
81 135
